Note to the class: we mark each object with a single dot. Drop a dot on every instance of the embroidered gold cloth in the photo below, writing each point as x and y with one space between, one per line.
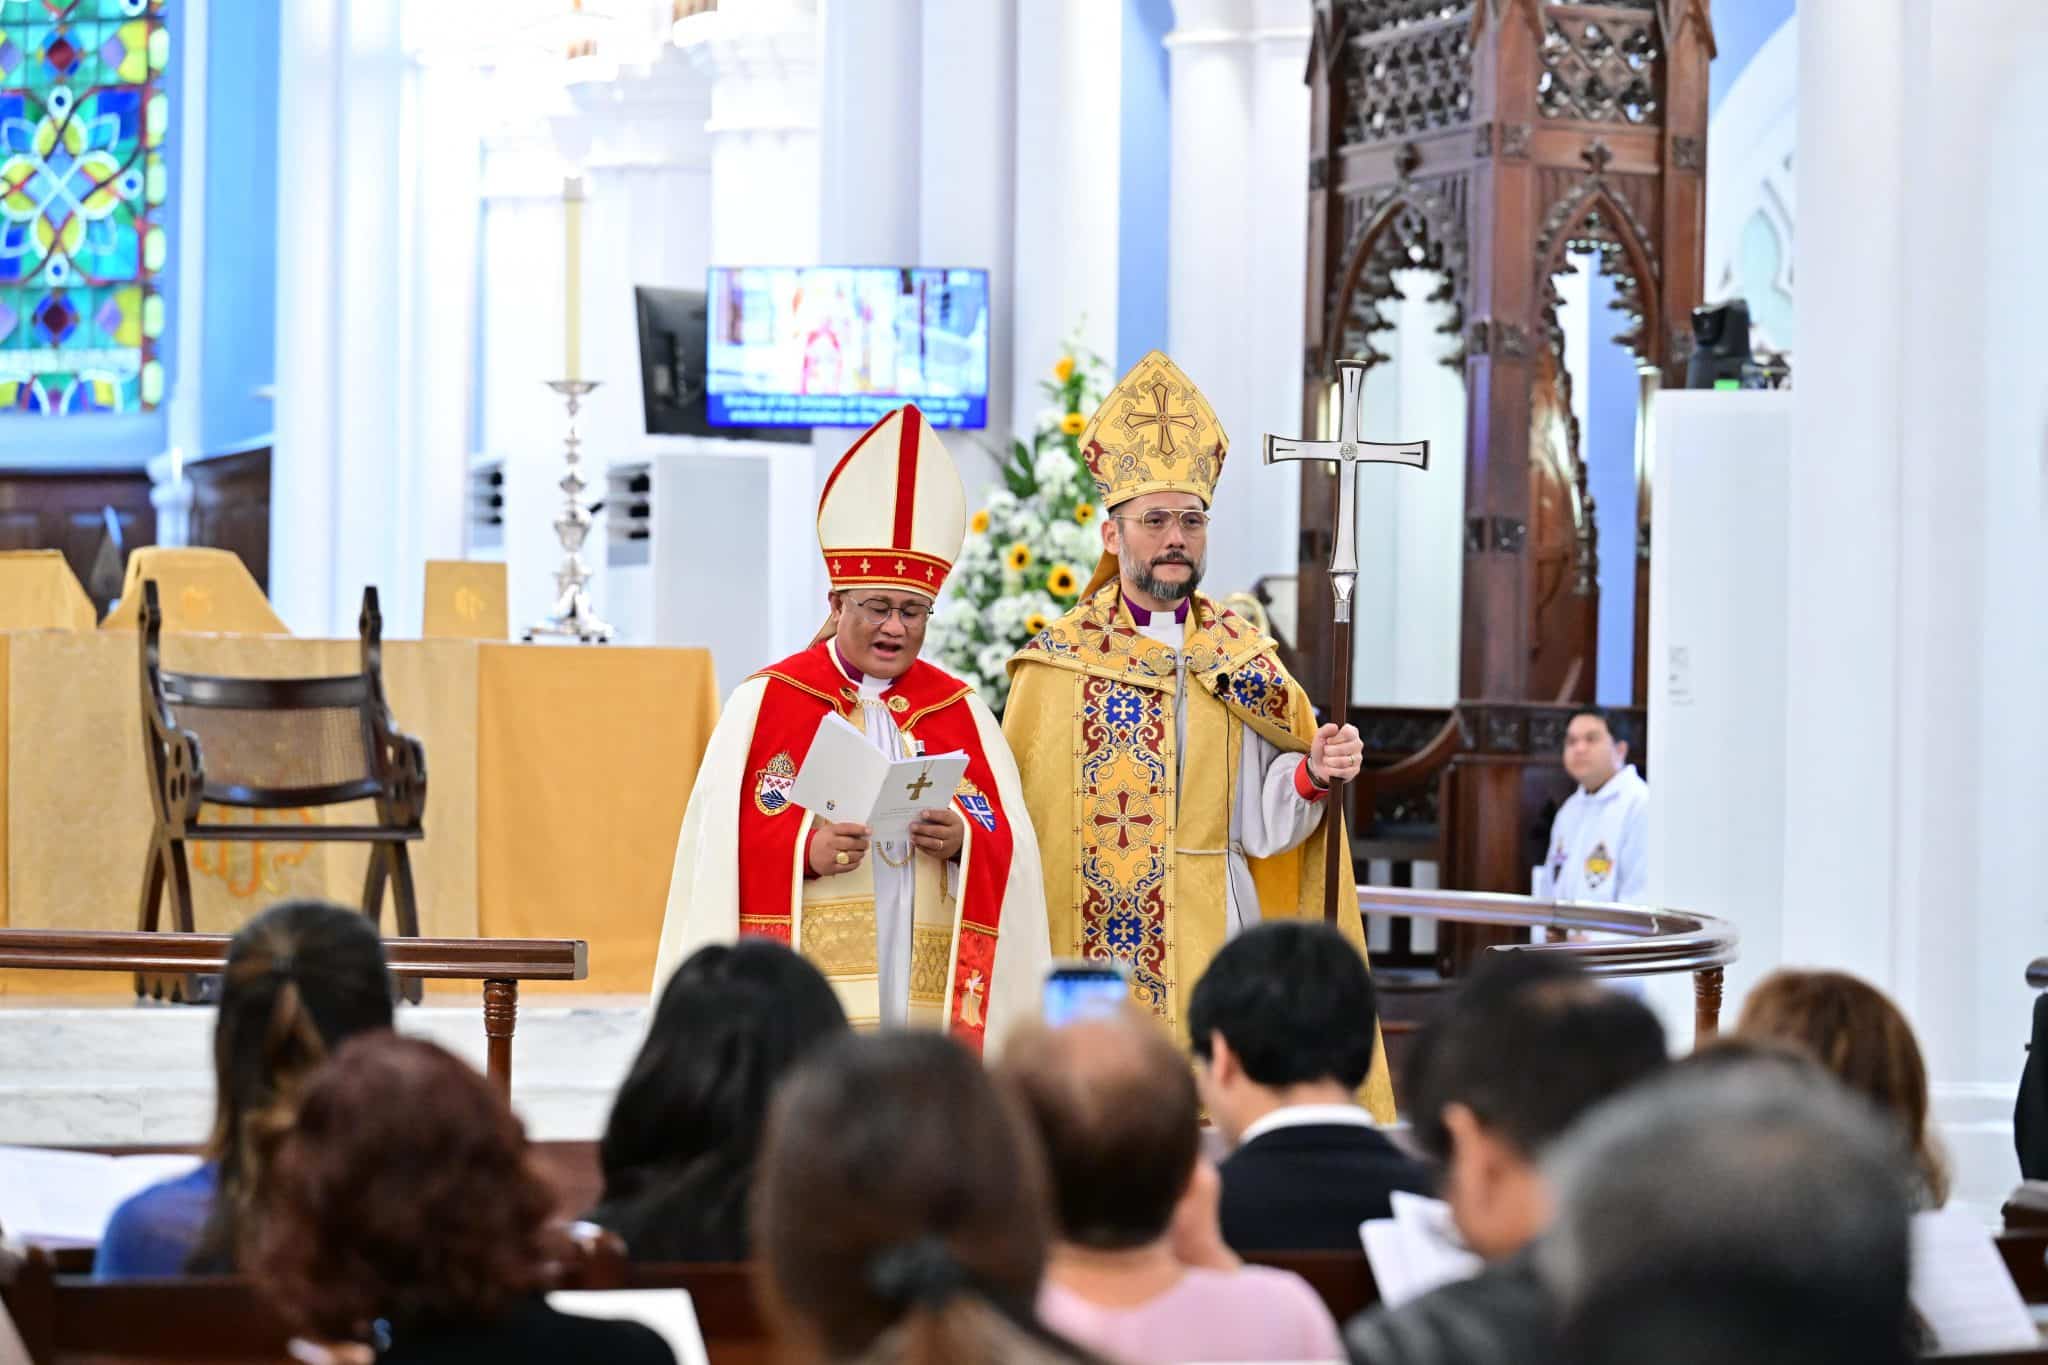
1133 828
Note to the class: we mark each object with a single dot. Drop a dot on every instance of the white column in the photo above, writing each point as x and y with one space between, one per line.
374 297
968 166
762 57
1237 254
1069 58
1264 506
1916 520
1841 813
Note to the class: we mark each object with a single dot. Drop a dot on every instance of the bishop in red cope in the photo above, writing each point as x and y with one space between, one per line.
944 927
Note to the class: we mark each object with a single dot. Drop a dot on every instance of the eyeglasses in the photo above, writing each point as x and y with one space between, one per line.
1193 524
875 612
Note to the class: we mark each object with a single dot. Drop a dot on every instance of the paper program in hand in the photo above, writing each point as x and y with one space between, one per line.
845 779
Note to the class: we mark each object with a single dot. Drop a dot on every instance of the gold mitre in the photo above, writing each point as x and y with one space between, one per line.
1155 433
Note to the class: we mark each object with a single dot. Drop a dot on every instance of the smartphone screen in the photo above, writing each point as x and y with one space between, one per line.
1083 990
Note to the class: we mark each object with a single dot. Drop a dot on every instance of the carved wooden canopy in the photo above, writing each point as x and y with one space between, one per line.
1488 141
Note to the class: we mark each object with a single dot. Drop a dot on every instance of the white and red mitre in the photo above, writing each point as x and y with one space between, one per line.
893 513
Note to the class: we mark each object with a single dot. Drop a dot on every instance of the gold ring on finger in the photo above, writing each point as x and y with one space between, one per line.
841 858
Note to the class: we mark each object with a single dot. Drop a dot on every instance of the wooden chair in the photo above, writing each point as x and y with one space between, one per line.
274 744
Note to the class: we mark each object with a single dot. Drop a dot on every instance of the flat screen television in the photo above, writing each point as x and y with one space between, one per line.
839 346
672 334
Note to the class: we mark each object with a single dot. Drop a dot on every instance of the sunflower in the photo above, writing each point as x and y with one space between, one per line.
1035 622
978 523
1063 368
1084 512
1073 424
1019 558
1062 581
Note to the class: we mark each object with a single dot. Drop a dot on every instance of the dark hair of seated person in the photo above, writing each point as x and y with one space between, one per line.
1115 1109
1294 1001
679 1151
902 1213
404 1209
1529 1043
300 979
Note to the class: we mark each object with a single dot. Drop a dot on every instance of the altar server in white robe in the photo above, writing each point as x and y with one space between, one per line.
1599 843
945 928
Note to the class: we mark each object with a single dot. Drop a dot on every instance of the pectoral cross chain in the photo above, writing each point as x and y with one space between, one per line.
915 790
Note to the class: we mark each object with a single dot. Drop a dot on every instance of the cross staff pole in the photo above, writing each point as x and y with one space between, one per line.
1347 452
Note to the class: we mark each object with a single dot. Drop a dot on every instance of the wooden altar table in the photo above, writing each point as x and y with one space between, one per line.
556 780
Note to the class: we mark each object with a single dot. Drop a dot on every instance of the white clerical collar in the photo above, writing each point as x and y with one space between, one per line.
869 687
1307 1116
1141 617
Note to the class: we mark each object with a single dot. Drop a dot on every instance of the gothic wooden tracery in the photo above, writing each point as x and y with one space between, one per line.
1490 141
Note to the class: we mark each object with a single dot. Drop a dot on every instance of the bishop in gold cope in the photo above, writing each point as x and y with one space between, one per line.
1176 775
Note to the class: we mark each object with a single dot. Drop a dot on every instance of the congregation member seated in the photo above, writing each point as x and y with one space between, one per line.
404 1209
1860 1036
1282 1026
1116 1110
300 979
1732 1212
679 1152
1527 1046
901 1212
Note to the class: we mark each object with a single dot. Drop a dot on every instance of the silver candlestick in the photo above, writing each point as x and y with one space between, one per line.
573 617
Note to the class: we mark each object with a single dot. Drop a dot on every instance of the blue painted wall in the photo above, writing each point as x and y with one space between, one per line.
1740 28
1610 453
1143 183
239 325
240 268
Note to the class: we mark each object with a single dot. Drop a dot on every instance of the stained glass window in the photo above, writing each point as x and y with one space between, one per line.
83 189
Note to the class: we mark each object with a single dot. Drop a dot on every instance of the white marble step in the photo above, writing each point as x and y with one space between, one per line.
116 1071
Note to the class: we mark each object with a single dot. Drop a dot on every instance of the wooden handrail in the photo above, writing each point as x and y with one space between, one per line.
500 963
1653 941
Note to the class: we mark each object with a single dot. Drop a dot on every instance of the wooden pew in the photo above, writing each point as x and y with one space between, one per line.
67 1319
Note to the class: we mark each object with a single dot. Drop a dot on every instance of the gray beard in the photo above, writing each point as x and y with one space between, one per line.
1142 578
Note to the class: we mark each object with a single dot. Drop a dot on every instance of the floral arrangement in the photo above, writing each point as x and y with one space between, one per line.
1030 551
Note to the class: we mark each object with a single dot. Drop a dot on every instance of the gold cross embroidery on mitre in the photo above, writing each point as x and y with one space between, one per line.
1162 418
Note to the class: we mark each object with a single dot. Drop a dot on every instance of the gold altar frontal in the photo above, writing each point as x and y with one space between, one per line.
556 781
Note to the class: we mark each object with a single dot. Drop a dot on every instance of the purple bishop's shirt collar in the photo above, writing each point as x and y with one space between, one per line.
1142 617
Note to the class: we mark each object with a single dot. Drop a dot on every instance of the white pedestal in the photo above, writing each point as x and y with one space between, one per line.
1719 532
686 558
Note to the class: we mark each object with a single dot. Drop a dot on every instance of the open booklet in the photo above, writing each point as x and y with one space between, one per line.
845 779
47 1194
1416 1250
669 1312
1962 1290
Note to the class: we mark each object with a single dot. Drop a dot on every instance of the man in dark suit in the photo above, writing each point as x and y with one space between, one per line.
1282 1024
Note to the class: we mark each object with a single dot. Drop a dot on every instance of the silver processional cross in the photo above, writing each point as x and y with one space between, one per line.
1348 452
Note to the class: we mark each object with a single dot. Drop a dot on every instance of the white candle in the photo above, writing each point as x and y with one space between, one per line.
572 265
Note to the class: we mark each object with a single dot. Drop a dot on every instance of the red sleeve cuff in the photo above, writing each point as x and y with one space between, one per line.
1304 785
809 875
